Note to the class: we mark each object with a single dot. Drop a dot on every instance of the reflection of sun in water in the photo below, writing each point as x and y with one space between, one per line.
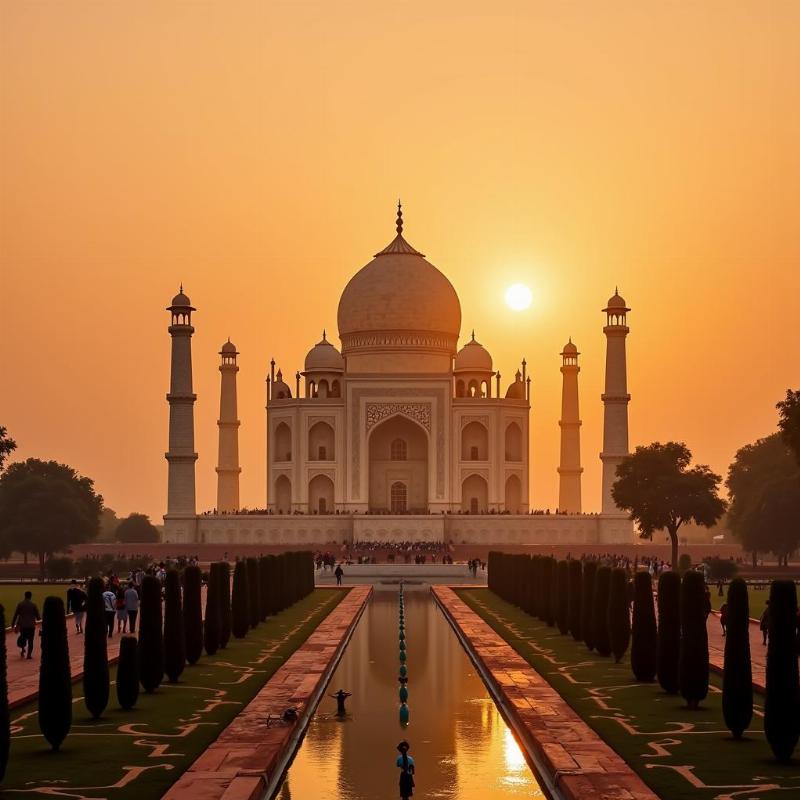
518 297
515 761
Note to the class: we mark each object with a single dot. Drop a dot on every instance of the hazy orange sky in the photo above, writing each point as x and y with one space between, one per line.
255 151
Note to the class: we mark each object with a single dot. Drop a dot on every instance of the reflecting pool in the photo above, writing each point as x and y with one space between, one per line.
460 743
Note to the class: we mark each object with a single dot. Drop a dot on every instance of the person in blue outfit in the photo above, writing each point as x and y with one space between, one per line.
406 765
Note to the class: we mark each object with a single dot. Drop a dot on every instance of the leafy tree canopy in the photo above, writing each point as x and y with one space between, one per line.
789 421
7 446
764 486
45 507
661 490
136 528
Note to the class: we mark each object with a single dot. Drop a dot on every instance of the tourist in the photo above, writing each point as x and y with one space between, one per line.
707 602
110 608
340 697
76 603
132 606
764 623
339 572
24 623
122 614
407 770
723 617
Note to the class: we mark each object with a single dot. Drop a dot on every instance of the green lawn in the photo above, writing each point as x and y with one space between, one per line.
11 594
138 754
756 597
680 754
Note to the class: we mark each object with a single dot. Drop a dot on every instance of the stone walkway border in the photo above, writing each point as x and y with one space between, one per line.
573 762
248 759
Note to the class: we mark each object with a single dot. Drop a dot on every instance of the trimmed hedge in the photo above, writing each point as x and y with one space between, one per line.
224 604
669 631
263 587
128 673
587 629
95 653
548 590
575 599
737 674
174 634
562 597
644 633
693 661
240 623
619 618
5 719
151 639
602 590
55 675
212 623
193 613
253 601
781 717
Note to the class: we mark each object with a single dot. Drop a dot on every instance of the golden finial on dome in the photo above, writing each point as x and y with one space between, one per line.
399 217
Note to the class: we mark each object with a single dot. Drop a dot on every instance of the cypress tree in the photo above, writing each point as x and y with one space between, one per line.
240 622
128 673
263 587
55 675
589 573
781 715
491 571
151 638
95 655
602 590
575 598
224 604
253 600
737 674
531 587
669 631
693 661
644 641
212 622
5 718
193 613
562 597
619 618
174 634
549 590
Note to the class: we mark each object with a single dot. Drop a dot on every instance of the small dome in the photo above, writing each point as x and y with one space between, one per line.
229 348
473 357
280 390
181 300
324 357
617 302
516 390
569 349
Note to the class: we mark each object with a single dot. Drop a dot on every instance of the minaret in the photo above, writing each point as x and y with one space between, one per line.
615 398
181 455
228 468
569 485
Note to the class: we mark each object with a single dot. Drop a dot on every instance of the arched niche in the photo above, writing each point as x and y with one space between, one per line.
474 442
320 495
513 442
388 441
474 494
321 442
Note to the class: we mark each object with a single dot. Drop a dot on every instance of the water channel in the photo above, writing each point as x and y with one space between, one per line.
462 747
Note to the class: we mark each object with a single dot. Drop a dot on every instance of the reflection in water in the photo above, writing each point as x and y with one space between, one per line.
462 747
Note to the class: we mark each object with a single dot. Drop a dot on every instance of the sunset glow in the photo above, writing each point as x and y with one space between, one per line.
518 297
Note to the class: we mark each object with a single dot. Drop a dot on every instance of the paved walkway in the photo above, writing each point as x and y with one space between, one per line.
569 753
758 653
249 757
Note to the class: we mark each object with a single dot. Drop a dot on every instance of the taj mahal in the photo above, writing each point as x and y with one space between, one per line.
399 435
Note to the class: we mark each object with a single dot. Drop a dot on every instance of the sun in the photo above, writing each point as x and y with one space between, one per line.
518 297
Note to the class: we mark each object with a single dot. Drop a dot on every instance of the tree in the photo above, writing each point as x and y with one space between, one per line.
549 591
619 616
211 624
737 675
602 590
108 525
240 622
254 594
562 596
95 654
263 585
135 529
669 631
781 712
764 486
644 638
7 446
788 422
151 639
174 634
661 492
693 659
193 613
128 673
45 507
589 573
55 675
5 719
575 596
224 604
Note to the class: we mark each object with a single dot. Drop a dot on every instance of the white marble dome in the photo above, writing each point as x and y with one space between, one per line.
324 357
473 357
